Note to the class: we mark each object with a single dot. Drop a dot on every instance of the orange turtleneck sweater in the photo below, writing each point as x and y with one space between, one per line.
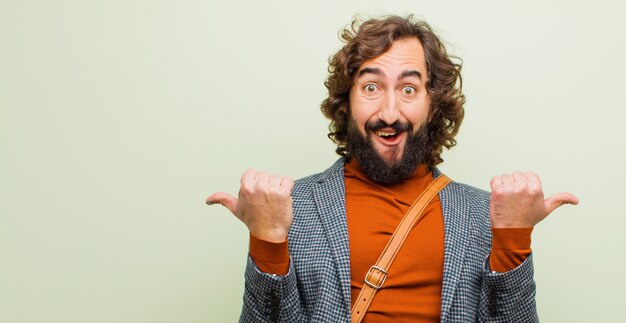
412 291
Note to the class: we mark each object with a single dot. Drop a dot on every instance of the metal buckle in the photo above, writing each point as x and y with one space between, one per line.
382 281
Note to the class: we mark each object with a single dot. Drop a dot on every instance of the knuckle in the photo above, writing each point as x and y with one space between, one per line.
262 184
522 186
535 190
275 190
245 187
497 192
250 190
290 182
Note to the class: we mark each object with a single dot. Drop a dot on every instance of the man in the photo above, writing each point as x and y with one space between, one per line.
394 102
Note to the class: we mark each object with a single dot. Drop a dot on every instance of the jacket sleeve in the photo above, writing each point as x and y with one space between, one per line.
504 296
508 296
269 297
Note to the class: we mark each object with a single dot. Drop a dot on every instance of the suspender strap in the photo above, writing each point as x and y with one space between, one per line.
377 274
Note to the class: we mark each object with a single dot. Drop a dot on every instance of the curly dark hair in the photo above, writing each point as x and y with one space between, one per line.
371 39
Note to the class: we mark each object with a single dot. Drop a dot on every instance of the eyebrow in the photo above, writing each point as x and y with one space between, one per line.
377 71
370 70
410 73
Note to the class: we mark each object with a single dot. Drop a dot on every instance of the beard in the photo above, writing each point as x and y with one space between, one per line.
372 163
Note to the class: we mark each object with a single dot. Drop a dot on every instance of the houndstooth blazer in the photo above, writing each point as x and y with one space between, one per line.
317 286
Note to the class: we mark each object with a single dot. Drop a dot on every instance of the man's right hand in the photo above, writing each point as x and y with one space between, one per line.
264 204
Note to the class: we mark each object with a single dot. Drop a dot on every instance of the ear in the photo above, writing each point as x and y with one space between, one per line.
345 108
431 115
431 111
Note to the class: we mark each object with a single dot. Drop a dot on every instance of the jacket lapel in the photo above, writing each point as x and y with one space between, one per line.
329 195
330 198
456 218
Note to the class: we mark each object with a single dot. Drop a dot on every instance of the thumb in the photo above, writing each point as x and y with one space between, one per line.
559 199
225 199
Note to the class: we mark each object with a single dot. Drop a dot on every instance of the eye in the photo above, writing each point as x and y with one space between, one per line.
408 90
370 88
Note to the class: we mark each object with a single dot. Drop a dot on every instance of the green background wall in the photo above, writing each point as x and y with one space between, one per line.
118 118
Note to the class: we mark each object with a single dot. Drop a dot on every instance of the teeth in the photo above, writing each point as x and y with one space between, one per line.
385 134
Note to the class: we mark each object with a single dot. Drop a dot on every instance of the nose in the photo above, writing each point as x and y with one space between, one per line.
389 111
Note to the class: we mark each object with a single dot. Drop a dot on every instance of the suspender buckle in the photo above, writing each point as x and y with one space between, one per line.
379 275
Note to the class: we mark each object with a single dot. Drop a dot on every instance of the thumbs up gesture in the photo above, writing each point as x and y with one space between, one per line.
517 200
263 204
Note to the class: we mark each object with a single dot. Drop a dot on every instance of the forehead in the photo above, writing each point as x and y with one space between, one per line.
403 54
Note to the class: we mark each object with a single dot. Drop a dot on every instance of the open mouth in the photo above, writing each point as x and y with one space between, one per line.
388 137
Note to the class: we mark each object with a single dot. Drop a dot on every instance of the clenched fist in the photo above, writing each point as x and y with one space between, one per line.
517 200
264 204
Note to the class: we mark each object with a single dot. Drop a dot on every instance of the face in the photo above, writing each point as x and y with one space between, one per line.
389 103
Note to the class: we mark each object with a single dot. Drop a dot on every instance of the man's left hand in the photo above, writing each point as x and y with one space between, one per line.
517 201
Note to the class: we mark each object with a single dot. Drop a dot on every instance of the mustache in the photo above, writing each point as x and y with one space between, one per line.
379 124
